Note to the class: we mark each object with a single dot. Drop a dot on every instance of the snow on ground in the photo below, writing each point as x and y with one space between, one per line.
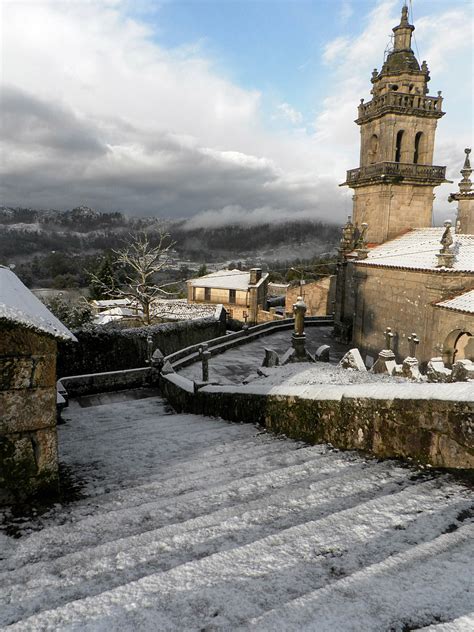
192 523
307 373
236 364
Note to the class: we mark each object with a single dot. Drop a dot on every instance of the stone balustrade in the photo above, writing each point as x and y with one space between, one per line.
397 170
401 103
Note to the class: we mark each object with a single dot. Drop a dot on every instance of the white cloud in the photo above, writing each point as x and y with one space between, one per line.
101 114
286 111
335 48
347 11
445 39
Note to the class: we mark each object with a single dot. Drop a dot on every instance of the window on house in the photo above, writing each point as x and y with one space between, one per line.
207 293
398 146
232 297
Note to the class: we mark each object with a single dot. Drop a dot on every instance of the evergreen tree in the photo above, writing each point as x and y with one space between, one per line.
103 281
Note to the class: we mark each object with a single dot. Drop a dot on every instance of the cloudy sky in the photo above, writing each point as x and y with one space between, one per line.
216 111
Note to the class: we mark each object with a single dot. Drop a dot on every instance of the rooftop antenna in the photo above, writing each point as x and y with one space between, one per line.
412 18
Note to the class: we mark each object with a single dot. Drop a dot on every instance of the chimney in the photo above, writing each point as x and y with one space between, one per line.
255 275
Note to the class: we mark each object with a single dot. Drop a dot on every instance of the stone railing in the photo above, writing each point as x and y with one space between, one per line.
399 102
396 170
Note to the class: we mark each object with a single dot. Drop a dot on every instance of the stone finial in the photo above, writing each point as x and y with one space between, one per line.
361 245
404 19
465 185
446 256
389 336
413 342
447 239
347 238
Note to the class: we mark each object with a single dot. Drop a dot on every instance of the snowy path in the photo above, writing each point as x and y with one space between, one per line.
237 363
191 523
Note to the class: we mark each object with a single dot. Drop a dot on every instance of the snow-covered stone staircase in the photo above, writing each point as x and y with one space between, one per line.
191 523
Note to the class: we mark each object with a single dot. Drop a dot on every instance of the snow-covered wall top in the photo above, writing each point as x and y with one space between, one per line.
20 306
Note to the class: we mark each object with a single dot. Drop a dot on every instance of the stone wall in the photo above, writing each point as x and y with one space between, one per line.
433 426
450 324
404 300
78 385
391 209
108 348
318 296
28 440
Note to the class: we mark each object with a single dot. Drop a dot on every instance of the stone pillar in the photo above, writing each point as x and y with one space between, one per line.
298 339
465 200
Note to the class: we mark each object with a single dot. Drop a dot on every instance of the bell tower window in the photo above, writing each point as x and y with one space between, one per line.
398 146
419 156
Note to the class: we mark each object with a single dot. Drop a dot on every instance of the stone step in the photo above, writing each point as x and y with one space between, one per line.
169 508
244 461
121 561
388 595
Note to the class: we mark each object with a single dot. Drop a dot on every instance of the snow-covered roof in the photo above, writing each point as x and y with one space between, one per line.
226 280
20 306
114 313
461 303
180 309
112 302
417 250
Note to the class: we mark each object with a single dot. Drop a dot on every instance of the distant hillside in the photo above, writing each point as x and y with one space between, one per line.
25 233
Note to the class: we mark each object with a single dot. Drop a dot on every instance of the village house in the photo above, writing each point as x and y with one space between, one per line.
395 270
242 293
28 339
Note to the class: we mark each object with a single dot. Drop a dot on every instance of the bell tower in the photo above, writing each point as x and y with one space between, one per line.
393 186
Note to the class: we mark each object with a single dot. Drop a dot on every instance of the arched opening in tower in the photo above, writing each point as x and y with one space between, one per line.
419 156
398 146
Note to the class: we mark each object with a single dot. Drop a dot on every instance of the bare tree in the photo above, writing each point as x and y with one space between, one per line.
140 262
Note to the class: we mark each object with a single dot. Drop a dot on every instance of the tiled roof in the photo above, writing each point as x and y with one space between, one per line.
417 250
20 306
461 303
225 279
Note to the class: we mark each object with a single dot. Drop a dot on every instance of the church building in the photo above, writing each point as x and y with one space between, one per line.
395 269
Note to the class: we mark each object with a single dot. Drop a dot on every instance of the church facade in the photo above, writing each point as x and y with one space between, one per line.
395 269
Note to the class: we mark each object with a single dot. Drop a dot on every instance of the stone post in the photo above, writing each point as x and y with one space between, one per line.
205 354
149 348
298 338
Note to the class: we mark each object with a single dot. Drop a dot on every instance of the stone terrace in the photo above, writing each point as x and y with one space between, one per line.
191 523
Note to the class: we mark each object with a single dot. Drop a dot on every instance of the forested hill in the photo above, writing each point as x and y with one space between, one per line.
26 233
